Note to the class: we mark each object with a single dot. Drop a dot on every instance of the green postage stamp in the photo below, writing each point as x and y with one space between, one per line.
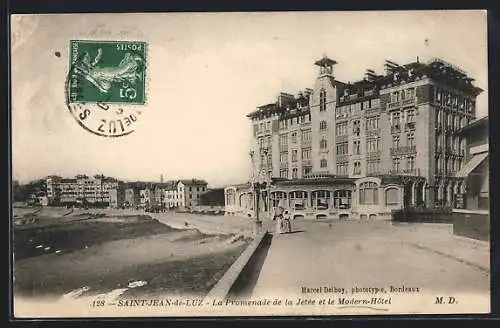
107 71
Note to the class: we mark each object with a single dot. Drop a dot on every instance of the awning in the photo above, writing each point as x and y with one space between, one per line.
471 165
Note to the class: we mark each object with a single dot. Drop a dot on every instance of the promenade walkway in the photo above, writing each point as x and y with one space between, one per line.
373 254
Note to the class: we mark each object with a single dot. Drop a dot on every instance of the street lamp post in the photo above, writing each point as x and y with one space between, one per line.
256 188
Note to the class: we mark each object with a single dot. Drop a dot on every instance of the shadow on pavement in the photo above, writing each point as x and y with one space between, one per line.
245 283
296 231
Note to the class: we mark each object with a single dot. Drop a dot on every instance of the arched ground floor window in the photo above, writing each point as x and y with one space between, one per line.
392 196
342 199
368 193
320 199
298 199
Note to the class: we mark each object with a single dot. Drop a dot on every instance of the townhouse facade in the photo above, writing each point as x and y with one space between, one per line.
94 190
164 195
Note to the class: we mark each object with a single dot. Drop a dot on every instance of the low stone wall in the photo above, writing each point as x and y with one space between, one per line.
422 216
472 224
238 278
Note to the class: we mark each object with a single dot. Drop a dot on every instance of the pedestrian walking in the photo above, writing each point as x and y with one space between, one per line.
278 217
287 225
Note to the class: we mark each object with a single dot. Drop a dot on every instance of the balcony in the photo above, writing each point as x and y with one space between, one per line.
393 105
372 111
412 172
410 126
372 133
373 154
343 137
403 150
408 102
342 158
396 128
306 162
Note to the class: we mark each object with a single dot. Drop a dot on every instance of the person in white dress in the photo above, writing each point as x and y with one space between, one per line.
278 217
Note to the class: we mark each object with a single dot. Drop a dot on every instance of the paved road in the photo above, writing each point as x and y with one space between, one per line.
210 224
347 254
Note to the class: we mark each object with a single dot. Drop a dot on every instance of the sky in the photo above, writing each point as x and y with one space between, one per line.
205 73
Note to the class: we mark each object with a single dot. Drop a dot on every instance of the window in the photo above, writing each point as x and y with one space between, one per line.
372 145
323 163
357 147
341 129
294 137
372 123
306 135
306 154
373 167
392 196
320 199
342 148
356 128
283 140
395 141
342 168
395 119
284 157
306 170
395 164
410 93
294 155
357 168
261 142
395 96
410 138
322 125
284 173
295 173
302 119
323 144
410 162
410 116
342 199
322 100
368 193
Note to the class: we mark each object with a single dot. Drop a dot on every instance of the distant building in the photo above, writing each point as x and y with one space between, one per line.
192 190
92 190
166 195
476 170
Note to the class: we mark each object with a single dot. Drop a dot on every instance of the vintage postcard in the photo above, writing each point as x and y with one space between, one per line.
250 164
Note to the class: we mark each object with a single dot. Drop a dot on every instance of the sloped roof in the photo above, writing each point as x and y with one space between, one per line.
196 182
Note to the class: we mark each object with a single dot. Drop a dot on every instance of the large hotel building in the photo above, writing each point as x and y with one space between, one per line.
364 148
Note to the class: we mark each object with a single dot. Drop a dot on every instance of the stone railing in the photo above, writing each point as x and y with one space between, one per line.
415 172
372 133
403 150
342 158
408 102
373 154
